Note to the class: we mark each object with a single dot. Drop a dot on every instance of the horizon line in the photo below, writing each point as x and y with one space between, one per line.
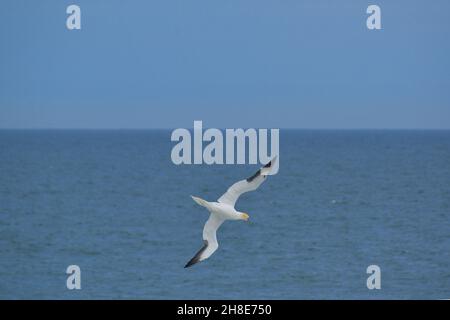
206 128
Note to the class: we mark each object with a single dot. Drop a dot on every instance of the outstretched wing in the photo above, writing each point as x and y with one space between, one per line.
209 239
252 183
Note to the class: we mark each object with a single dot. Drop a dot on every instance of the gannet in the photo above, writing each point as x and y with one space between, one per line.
224 209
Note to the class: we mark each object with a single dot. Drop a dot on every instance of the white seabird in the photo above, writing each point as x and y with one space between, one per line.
224 209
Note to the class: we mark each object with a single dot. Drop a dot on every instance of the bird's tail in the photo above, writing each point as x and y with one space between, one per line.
200 201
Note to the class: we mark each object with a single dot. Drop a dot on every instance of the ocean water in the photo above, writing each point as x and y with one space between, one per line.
113 203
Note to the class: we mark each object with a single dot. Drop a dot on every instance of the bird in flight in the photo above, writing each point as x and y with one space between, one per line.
224 209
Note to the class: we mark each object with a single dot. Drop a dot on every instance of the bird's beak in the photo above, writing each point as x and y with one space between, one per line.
245 216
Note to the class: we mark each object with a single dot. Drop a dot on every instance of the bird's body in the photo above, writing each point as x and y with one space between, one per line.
223 210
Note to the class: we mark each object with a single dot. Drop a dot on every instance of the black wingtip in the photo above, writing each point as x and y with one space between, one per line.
268 164
193 261
196 258
250 179
189 264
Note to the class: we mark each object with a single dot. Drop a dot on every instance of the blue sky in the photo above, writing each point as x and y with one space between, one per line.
233 63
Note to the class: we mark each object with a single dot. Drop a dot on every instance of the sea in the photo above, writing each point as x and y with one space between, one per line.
114 204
